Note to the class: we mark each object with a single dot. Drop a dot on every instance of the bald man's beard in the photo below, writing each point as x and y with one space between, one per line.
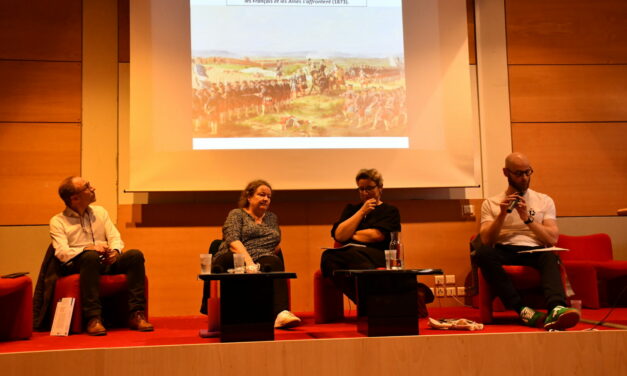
519 187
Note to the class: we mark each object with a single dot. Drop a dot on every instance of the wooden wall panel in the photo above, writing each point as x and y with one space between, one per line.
34 159
40 91
568 76
566 31
568 93
582 166
41 30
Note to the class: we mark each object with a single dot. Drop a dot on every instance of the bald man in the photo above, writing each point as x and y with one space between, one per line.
520 219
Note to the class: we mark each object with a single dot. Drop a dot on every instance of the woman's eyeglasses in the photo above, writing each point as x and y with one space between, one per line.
368 188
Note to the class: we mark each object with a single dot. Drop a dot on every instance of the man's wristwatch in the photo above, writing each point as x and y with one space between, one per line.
529 220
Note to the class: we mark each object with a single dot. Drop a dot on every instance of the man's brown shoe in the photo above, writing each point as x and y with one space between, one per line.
95 327
138 322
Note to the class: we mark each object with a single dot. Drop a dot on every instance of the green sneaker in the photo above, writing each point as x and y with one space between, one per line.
561 318
531 317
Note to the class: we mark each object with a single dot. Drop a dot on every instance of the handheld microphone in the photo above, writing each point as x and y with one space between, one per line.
513 204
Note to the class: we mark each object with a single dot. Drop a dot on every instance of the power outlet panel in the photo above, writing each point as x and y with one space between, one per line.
440 292
468 210
450 291
450 279
439 280
461 291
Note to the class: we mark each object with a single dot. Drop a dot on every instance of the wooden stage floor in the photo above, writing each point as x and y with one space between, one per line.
175 348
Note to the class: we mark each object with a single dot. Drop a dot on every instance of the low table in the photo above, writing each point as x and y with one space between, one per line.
246 305
387 300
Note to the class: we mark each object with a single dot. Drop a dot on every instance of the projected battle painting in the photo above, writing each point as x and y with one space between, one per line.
300 69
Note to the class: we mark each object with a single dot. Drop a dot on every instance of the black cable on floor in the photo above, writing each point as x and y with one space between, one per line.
602 321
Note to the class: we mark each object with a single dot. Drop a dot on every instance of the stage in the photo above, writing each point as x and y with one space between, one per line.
175 348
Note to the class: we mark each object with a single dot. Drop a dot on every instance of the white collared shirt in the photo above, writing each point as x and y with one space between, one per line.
71 233
514 230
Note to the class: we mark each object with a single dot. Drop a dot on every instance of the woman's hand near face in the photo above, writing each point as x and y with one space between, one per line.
346 230
370 195
369 205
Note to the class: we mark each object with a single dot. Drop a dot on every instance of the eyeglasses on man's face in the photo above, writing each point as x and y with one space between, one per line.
83 188
520 173
367 188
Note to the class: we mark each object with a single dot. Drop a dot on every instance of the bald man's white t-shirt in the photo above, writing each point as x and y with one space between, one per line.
514 231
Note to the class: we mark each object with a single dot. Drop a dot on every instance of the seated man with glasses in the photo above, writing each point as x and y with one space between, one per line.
521 219
367 223
86 241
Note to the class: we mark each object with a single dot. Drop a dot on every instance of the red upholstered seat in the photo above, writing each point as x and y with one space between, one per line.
611 269
523 278
583 280
112 293
527 280
328 300
595 251
16 308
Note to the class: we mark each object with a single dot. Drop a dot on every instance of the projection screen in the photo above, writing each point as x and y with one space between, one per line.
302 93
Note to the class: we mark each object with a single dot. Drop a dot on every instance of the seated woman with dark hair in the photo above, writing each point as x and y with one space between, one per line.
253 231
368 223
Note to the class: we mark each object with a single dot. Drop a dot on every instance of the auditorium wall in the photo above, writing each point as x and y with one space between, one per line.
540 87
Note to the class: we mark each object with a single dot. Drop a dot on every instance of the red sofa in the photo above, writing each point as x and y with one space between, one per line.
328 300
605 277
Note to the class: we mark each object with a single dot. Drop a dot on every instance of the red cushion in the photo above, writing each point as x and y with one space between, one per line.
611 269
523 277
605 269
112 284
10 285
69 286
328 300
16 308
